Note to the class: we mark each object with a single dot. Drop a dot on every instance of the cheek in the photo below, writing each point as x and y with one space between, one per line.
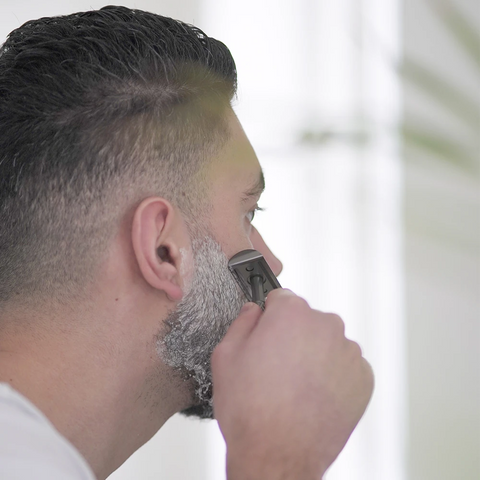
233 234
229 226
187 267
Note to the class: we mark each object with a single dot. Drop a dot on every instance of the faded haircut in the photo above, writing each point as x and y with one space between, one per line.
99 110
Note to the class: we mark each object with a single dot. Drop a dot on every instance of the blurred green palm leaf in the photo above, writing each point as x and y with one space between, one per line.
464 105
446 94
442 148
460 28
461 150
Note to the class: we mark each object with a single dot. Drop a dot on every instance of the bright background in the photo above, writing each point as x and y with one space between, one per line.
365 117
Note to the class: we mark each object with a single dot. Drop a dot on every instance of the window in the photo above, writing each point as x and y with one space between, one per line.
318 98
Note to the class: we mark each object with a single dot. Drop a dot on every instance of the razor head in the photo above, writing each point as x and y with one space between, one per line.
254 276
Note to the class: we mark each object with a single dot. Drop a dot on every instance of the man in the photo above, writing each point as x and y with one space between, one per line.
126 183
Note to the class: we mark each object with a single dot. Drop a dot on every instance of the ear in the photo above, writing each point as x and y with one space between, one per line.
157 235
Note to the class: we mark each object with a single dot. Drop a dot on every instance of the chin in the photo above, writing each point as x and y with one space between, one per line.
203 411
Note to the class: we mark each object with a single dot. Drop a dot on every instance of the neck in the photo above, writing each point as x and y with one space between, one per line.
105 397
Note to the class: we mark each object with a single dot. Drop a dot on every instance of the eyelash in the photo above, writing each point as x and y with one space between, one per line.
252 212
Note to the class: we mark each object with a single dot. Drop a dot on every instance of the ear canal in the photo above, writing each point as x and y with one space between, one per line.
162 252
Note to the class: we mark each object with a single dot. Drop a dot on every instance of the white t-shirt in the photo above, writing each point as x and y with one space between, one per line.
30 446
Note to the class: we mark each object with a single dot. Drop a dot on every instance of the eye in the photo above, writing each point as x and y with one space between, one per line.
251 213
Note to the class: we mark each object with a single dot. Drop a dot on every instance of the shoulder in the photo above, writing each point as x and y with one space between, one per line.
30 447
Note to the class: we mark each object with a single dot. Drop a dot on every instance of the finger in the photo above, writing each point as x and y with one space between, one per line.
244 324
278 293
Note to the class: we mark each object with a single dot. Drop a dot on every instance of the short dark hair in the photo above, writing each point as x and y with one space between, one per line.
98 110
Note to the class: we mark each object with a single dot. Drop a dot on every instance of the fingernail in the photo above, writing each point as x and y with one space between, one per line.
248 306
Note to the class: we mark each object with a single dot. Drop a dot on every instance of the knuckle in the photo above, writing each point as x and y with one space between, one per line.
279 293
283 299
296 303
369 374
337 322
276 296
355 348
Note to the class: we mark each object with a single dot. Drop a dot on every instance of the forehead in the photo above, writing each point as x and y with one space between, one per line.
236 169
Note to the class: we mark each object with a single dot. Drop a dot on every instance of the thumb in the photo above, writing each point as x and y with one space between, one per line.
244 324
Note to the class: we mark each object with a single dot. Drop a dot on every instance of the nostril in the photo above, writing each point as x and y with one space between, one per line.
275 264
281 268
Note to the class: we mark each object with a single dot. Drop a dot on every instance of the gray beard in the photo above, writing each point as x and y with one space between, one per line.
200 322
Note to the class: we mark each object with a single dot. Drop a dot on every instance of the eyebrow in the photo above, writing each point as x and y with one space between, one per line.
256 189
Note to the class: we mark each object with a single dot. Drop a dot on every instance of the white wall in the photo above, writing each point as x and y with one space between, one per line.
334 211
15 13
442 216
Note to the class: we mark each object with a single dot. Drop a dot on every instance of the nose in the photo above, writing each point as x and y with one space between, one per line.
259 244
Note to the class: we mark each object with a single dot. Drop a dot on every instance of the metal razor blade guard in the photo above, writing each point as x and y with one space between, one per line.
254 276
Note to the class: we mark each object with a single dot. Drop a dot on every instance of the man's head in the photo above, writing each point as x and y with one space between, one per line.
126 182
99 110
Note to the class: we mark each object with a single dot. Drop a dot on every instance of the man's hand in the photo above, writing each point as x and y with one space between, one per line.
289 389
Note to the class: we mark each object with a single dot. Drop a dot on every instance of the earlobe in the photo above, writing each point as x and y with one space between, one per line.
155 246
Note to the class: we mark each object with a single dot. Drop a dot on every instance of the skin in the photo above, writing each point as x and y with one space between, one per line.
105 411
309 388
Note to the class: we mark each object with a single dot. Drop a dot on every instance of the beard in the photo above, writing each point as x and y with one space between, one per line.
199 323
